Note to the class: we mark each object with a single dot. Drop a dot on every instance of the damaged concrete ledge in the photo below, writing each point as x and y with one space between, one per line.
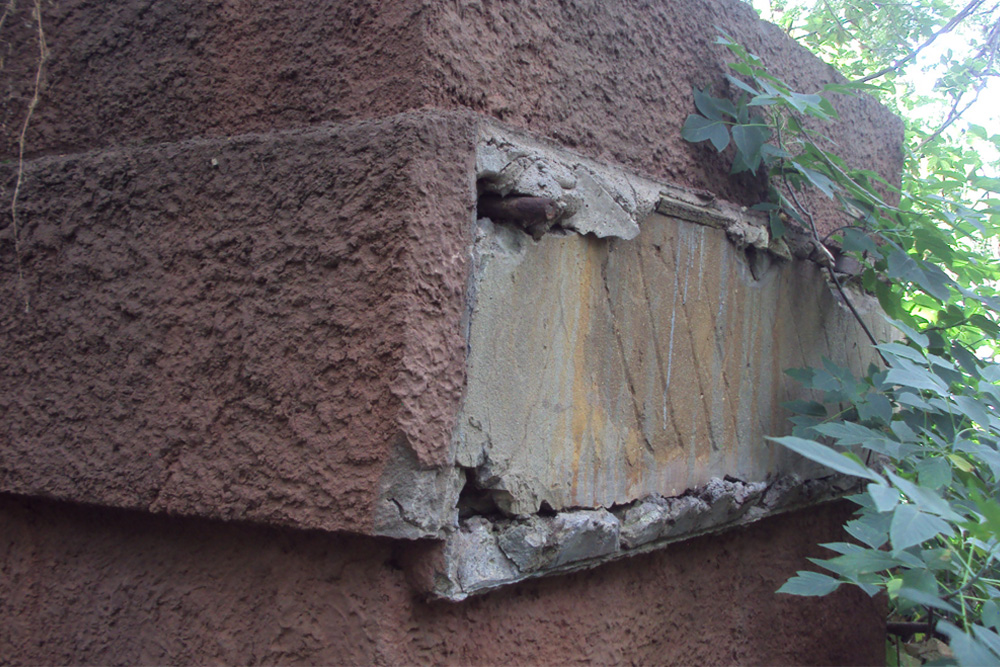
588 197
318 329
625 337
486 553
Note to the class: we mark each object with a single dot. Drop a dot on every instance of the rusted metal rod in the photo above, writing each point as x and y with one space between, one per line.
524 210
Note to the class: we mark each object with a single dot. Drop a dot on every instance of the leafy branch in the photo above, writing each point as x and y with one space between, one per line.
928 526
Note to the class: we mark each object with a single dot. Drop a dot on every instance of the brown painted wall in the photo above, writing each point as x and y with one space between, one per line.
239 329
83 585
609 78
243 327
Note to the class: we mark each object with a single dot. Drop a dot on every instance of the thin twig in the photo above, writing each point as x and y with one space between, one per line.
11 7
833 274
948 27
992 43
840 229
975 577
43 54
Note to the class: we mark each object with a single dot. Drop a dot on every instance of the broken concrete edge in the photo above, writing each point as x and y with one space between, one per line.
487 553
589 197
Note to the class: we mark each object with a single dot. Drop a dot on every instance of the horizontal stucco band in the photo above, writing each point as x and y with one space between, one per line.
316 329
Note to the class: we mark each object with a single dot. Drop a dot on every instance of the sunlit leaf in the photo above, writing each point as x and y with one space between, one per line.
830 458
809 584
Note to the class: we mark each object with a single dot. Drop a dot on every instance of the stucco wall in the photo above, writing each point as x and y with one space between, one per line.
236 327
84 585
611 80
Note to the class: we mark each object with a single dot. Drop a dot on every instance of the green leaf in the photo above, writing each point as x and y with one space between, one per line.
906 374
966 359
742 86
776 224
849 434
749 139
934 473
875 408
885 497
809 584
713 108
872 529
990 614
801 407
925 499
698 128
830 458
921 579
925 599
820 181
864 561
967 650
987 325
910 526
803 376
989 639
972 409
856 240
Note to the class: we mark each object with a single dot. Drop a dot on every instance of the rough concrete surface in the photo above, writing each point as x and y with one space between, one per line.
646 366
82 585
278 327
247 328
487 553
612 80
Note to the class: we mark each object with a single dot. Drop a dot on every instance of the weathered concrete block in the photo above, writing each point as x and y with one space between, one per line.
541 543
339 342
311 327
645 365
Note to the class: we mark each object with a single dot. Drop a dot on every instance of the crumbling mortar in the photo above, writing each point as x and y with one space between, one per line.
537 546
527 167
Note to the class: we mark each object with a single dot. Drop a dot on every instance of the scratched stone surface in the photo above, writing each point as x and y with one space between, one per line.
600 371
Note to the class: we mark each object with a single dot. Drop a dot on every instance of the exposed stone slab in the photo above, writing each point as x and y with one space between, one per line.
484 554
648 364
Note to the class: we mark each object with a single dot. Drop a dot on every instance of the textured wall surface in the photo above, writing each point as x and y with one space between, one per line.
244 328
235 321
96 586
611 79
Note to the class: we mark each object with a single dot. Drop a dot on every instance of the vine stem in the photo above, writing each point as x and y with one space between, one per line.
43 54
828 265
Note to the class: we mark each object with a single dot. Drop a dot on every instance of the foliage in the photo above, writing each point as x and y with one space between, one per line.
927 423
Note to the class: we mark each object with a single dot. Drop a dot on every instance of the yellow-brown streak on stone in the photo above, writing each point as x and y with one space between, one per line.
581 408
671 241
663 451
634 470
734 334
576 368
636 392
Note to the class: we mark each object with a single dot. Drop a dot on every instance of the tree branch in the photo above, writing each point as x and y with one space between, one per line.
948 27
